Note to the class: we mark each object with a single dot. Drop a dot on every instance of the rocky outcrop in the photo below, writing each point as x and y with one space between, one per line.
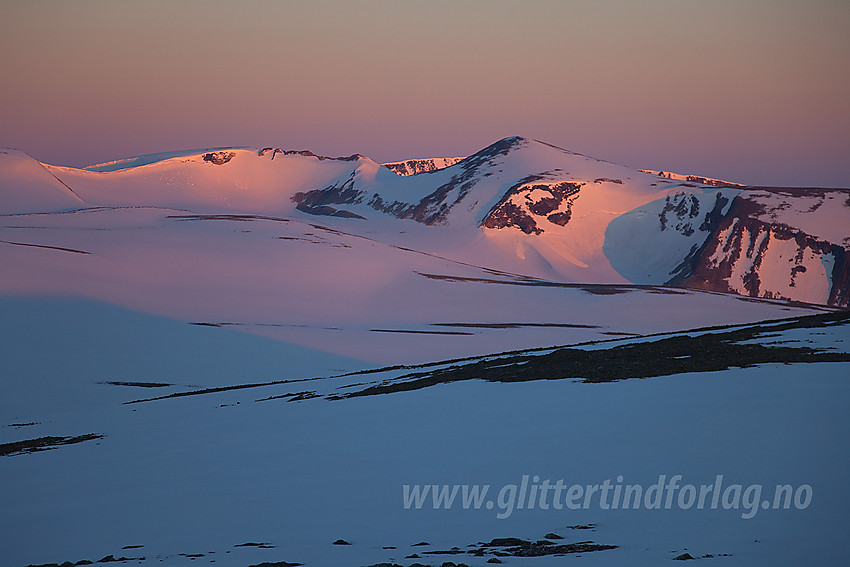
219 158
320 201
529 201
417 166
306 153
751 255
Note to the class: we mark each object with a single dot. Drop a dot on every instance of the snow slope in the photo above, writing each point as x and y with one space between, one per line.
191 479
27 185
310 284
147 159
226 180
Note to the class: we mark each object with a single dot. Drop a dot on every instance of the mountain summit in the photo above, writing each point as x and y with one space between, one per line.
519 205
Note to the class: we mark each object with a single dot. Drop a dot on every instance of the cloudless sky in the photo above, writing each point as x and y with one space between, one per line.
754 91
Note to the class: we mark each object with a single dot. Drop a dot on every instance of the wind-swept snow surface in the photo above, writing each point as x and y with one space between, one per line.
307 283
243 356
203 469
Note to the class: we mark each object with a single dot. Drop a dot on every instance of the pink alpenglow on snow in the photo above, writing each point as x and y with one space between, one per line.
454 256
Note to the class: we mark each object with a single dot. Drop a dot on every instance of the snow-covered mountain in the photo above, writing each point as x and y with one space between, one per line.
244 356
519 205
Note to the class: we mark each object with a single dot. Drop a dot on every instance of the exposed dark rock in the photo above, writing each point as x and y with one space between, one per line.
341 542
307 153
685 208
235 218
537 550
712 182
715 216
417 166
319 201
64 564
43 443
544 206
710 224
561 219
523 548
683 557
507 542
328 211
452 551
507 213
673 355
552 535
138 384
516 325
746 239
219 158
342 194
46 247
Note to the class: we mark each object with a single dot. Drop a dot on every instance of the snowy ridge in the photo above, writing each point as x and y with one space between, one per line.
28 186
519 205
692 178
147 159
417 166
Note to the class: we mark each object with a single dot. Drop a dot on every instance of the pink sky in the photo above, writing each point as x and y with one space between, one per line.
748 90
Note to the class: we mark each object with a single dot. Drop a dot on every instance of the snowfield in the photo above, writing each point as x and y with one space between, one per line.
240 356
203 474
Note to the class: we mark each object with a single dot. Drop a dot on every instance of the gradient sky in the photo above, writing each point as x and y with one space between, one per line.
756 91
